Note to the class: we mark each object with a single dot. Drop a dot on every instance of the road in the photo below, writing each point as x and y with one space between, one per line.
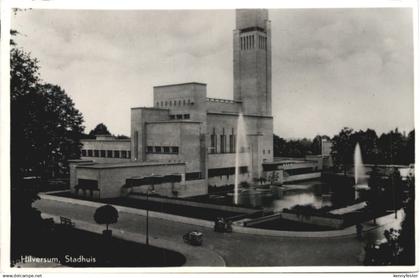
236 249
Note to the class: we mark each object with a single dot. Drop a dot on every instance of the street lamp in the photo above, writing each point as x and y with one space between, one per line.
149 189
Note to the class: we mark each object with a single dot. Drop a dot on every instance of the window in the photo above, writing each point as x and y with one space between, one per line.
96 153
170 103
161 103
157 104
269 151
172 117
193 176
232 143
175 150
128 154
243 169
149 149
179 116
158 149
117 154
263 151
83 152
213 143
109 153
174 102
186 116
123 154
89 153
184 102
166 149
189 102
179 102
136 145
103 153
222 143
166 103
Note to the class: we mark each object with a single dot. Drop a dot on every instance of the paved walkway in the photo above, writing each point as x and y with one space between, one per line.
236 249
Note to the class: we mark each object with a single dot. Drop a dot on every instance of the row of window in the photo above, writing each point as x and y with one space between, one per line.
106 153
164 149
249 42
224 146
179 116
170 103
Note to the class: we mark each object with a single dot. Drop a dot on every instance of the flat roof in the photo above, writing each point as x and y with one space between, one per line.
106 140
175 122
150 108
237 114
180 84
128 164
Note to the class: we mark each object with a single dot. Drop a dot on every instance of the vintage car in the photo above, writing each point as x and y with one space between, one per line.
193 238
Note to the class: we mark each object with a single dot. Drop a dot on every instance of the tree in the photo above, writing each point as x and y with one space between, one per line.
45 130
106 215
44 133
368 144
399 247
316 146
342 149
100 129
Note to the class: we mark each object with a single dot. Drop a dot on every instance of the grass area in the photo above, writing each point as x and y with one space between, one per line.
77 248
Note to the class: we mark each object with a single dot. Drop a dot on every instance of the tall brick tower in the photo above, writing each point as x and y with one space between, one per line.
252 61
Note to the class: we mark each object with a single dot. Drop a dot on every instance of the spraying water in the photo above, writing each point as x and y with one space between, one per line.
359 169
240 147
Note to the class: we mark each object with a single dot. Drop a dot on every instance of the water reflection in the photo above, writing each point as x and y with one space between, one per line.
316 193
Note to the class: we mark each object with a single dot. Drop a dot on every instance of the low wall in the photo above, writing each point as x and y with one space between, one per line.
154 214
302 177
335 223
196 204
263 219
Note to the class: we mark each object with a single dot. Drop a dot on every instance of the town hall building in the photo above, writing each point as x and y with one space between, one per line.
186 142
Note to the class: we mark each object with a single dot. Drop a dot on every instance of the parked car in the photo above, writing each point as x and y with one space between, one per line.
222 225
193 238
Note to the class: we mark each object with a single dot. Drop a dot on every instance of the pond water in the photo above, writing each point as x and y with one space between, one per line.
316 193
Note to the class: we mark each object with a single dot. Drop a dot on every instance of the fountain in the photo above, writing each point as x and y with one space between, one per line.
360 178
241 147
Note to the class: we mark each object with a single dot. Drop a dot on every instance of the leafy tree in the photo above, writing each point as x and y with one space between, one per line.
316 146
368 144
342 149
391 145
291 148
278 145
106 215
45 128
100 129
45 131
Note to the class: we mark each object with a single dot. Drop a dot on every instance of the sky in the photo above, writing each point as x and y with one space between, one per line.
331 68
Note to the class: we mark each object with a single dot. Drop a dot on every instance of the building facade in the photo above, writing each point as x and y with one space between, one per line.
189 134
